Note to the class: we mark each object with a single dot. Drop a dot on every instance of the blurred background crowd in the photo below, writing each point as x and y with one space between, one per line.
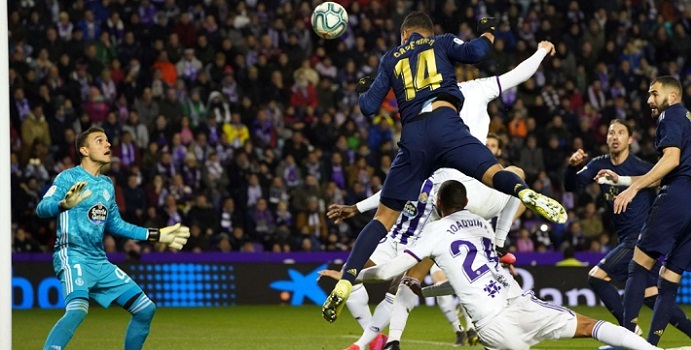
236 119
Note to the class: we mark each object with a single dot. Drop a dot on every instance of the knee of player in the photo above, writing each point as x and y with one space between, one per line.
597 276
593 281
584 326
77 310
516 170
148 312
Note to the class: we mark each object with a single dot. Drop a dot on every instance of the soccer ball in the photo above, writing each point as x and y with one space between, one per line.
329 20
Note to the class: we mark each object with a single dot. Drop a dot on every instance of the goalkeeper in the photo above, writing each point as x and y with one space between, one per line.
84 202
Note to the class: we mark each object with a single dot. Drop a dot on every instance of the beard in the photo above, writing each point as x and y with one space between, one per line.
657 110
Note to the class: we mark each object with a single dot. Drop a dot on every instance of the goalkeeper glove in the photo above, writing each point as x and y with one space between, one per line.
174 236
487 25
74 196
363 84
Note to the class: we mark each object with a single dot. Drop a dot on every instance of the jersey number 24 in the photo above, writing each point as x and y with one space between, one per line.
426 75
472 251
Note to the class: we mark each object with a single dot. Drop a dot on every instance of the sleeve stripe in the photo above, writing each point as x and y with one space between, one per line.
413 255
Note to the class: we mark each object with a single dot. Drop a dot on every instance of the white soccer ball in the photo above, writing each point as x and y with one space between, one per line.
329 20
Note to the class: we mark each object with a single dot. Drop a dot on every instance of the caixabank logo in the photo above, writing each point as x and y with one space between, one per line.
301 287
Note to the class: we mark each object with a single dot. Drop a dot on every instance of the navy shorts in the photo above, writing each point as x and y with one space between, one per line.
678 223
434 140
668 222
616 264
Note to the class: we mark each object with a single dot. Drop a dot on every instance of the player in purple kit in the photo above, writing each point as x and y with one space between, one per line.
422 74
667 230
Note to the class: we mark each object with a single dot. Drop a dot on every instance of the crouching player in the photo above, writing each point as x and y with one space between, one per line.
84 202
462 245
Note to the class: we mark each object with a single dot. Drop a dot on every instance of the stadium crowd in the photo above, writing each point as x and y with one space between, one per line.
236 119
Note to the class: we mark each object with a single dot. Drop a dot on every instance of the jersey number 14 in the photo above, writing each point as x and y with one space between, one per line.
426 75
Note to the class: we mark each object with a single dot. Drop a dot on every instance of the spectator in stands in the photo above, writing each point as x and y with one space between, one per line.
311 224
24 243
282 82
203 215
570 259
135 200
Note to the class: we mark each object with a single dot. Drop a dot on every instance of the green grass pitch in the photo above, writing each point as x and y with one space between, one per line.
264 327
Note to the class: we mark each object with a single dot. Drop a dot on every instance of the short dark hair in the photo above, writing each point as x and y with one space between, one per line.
622 122
668 81
417 19
81 139
496 137
452 196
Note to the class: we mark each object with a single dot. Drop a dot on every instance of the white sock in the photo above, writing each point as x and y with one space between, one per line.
404 302
380 319
620 337
468 321
447 305
358 304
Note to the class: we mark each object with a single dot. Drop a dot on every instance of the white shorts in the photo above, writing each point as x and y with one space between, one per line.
484 201
525 322
387 250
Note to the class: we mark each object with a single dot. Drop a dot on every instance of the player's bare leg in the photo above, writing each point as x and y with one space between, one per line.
500 179
447 305
609 333
382 222
406 299
358 303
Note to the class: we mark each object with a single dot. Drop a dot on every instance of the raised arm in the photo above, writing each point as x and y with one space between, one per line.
371 100
669 161
527 68
470 52
49 206
575 179
386 272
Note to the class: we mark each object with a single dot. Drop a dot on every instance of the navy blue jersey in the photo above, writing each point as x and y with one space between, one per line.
630 222
674 130
420 70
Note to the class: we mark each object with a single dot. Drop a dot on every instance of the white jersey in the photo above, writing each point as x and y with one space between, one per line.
482 200
462 244
477 94
414 215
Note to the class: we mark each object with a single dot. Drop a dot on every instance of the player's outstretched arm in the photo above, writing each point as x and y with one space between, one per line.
438 290
339 212
575 179
62 188
373 92
527 68
174 236
386 272
379 273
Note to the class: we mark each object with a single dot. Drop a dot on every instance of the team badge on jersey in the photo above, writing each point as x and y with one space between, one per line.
409 210
423 197
492 288
79 281
98 213
50 191
106 195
